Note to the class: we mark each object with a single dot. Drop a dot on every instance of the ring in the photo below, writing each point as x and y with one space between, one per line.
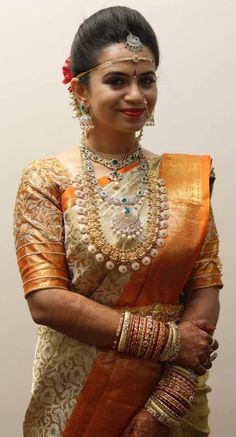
206 363
213 356
212 342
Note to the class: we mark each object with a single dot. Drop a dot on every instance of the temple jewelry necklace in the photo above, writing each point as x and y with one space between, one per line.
125 222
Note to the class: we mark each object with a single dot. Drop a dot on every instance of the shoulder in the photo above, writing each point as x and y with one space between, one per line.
187 160
188 156
44 172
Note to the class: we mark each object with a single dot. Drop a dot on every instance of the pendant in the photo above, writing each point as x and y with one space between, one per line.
126 224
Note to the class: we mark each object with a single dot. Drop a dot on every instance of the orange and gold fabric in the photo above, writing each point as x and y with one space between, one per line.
68 401
38 229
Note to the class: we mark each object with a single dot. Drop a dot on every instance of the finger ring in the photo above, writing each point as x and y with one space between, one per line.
205 363
212 342
213 356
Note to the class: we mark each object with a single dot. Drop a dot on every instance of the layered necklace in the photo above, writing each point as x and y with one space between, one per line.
125 222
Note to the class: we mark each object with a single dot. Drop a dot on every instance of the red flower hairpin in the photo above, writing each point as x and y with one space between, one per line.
66 70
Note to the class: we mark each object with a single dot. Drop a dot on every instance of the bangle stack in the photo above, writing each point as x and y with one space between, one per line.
173 397
145 337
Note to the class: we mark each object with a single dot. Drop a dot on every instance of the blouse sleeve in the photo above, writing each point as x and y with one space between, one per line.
207 271
38 230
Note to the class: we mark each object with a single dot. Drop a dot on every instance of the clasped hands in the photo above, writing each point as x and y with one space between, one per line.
197 346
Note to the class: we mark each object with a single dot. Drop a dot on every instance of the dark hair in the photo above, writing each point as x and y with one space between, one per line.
104 28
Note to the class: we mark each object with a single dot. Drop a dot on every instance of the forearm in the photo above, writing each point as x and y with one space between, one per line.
74 315
202 303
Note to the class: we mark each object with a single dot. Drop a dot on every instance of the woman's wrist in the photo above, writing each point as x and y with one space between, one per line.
147 338
173 396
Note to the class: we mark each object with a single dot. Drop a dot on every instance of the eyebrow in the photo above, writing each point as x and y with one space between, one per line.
120 73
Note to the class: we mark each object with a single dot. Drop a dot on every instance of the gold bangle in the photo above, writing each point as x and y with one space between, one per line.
124 332
165 418
165 353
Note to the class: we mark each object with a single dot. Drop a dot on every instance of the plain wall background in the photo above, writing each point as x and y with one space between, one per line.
195 114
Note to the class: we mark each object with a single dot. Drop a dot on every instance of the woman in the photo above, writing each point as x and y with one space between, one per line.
118 252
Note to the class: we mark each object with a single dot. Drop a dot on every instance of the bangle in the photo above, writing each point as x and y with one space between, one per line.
124 332
118 332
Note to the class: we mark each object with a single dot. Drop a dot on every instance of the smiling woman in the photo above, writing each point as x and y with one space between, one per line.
118 253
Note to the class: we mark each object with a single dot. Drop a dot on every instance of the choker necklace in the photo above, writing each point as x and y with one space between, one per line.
114 161
125 222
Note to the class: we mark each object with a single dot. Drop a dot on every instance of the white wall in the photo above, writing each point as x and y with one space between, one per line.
195 114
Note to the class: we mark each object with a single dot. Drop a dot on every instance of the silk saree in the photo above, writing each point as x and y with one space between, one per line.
78 389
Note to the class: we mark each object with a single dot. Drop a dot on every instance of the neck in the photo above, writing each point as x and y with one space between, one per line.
110 141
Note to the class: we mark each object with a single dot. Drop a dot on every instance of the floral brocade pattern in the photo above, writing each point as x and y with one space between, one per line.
61 365
38 204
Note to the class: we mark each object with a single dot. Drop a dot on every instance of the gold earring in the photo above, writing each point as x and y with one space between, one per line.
150 121
86 121
139 136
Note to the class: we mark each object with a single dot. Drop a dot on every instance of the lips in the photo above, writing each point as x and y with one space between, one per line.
132 112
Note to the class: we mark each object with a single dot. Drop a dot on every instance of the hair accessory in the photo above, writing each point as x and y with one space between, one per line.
66 70
133 58
133 43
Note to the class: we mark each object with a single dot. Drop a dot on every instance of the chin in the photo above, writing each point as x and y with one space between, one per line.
131 128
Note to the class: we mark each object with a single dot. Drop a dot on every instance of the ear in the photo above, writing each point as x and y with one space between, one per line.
80 92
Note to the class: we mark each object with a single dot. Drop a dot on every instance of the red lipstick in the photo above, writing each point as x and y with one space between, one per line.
131 112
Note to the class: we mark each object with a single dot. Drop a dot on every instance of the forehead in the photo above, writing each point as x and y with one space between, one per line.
118 50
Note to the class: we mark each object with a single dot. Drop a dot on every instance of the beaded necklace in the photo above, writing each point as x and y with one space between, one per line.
125 223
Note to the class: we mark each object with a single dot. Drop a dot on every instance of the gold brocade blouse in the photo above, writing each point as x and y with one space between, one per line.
40 233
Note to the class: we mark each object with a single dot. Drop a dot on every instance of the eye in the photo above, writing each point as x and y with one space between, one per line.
147 81
116 82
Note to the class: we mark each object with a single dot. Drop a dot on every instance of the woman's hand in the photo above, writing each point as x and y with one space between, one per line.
196 345
143 425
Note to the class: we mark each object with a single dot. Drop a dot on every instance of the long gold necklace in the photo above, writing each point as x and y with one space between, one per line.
89 218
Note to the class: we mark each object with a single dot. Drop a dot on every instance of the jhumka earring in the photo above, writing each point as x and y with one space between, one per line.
86 121
150 121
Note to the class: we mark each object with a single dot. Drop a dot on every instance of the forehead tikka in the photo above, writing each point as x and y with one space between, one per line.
133 43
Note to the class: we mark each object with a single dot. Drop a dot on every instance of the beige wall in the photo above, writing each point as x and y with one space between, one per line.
195 114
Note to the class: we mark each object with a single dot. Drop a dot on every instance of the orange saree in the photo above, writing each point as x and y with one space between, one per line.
106 389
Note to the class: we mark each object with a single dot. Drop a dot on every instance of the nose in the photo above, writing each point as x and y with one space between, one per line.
134 93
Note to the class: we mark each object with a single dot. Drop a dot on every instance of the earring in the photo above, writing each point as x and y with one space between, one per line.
86 121
139 136
81 112
150 121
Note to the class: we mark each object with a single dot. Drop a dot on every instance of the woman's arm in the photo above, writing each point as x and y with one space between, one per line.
74 315
202 303
90 322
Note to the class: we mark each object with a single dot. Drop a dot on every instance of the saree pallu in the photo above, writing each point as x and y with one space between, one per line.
78 389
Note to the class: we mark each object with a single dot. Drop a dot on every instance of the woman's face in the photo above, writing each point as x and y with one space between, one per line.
119 87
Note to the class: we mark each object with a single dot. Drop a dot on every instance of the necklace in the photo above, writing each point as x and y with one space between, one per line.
114 161
124 222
